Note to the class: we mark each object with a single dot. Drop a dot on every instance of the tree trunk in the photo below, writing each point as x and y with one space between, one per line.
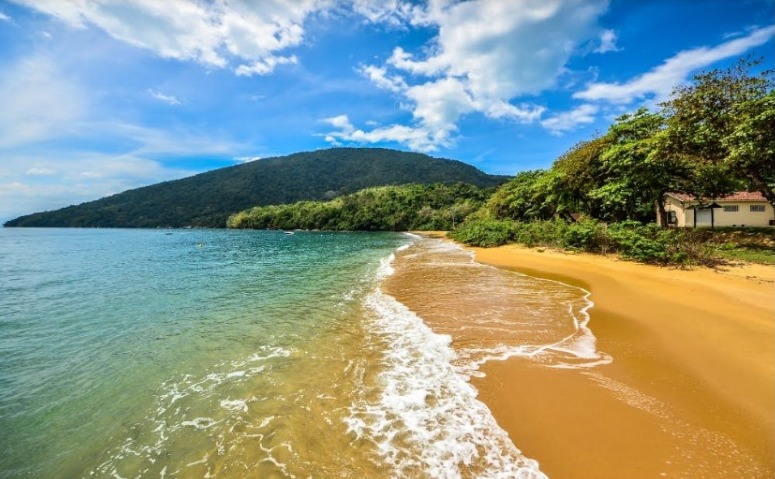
661 212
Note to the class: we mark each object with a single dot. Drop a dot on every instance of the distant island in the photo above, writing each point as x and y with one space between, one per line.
208 199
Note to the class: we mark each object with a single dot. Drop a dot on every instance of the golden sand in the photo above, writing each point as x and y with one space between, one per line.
691 389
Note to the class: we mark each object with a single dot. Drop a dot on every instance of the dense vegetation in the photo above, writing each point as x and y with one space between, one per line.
387 208
715 136
647 243
208 199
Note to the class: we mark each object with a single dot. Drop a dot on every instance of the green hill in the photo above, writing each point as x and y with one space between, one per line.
207 199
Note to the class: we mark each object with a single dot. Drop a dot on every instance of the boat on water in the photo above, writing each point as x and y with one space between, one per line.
289 233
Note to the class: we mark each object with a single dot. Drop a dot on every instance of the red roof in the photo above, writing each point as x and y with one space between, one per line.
736 196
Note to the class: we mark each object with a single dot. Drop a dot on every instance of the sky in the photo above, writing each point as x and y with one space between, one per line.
101 96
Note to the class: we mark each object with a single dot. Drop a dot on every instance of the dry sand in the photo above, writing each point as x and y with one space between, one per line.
691 389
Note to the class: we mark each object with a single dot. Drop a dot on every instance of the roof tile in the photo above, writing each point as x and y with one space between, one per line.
736 196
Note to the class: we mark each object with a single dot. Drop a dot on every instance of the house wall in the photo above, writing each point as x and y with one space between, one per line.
742 217
684 217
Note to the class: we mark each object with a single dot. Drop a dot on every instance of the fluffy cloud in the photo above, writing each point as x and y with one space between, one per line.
240 34
418 138
380 77
607 42
660 81
391 12
487 53
569 120
4 17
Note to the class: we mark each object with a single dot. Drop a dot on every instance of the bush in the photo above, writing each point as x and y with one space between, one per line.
537 233
632 240
484 232
648 243
586 235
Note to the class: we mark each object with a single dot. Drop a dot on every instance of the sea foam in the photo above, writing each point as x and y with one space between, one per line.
421 414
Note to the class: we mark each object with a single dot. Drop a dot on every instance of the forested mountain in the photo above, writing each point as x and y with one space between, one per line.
384 208
208 199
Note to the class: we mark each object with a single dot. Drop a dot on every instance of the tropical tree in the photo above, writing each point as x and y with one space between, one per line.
576 173
519 198
751 145
721 127
636 175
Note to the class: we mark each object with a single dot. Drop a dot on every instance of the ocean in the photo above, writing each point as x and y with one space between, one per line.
219 353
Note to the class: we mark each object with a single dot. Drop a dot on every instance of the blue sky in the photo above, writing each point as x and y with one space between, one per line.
100 96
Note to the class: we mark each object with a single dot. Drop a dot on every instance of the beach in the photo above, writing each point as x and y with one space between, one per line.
690 390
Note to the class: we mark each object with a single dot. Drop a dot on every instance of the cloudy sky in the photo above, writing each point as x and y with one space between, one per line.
99 96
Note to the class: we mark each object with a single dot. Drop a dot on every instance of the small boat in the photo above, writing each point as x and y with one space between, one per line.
288 233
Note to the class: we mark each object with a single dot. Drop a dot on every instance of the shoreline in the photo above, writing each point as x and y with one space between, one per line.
690 391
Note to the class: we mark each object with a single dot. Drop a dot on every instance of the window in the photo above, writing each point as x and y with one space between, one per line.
731 208
757 208
672 219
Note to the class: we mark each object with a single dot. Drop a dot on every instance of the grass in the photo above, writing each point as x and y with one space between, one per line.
750 254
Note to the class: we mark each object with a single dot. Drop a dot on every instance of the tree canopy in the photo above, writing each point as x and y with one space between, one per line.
387 208
714 136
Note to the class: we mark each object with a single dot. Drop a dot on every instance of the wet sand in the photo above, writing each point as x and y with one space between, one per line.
691 389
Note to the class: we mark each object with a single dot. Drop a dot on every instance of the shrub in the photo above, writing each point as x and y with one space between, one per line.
586 235
485 232
648 243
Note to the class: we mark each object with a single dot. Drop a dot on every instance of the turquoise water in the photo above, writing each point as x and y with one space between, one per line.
255 354
97 325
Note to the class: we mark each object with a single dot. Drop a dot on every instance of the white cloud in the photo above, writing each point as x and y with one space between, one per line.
569 120
487 53
342 122
660 81
265 65
391 12
243 35
4 17
607 42
169 99
40 102
380 77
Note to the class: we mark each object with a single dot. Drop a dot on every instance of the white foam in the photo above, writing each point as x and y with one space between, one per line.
200 423
235 405
426 416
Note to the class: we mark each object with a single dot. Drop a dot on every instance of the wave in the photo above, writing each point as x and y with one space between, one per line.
420 414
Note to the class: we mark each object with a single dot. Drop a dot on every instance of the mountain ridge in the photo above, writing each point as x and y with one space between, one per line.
207 199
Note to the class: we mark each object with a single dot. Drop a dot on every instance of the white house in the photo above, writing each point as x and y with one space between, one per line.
742 208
